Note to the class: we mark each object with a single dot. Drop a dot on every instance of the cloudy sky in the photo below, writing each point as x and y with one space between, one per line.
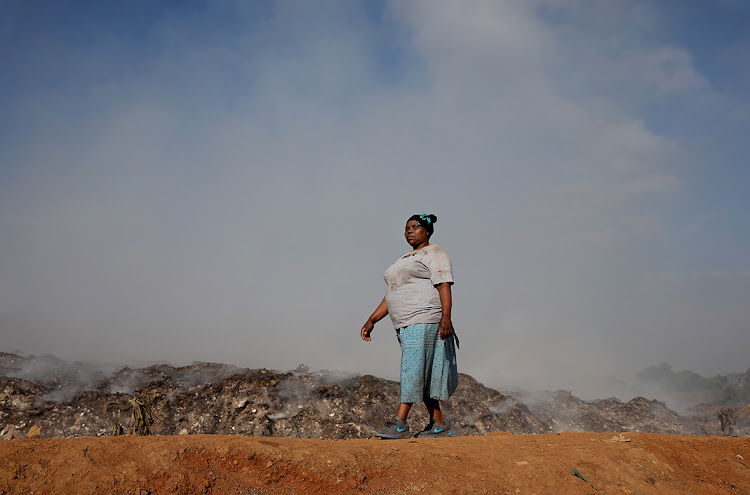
228 180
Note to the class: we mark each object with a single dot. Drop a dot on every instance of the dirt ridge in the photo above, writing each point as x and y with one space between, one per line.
637 463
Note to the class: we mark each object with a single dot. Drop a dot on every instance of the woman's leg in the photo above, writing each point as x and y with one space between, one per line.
411 339
403 411
433 409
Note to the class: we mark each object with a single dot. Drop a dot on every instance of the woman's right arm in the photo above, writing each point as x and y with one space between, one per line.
375 317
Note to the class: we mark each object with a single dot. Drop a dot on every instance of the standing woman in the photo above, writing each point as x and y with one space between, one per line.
418 298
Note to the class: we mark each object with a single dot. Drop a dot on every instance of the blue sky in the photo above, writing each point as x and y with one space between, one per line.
227 181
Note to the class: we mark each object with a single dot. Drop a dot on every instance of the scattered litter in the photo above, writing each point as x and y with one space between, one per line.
521 463
618 438
575 473
34 431
740 457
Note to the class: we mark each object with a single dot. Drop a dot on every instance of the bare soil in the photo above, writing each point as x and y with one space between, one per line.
495 463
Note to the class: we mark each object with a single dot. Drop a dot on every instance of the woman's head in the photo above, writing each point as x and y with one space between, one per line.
418 229
425 220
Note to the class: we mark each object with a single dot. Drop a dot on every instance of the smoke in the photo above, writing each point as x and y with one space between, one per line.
297 391
504 407
231 189
681 391
63 379
299 386
127 381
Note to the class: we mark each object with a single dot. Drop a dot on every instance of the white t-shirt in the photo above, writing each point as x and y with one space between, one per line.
411 294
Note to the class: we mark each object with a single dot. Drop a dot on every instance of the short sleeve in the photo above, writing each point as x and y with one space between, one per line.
441 270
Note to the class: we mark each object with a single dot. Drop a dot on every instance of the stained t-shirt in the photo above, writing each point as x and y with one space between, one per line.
411 294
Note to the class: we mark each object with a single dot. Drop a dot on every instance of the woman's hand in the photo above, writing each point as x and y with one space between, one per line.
445 328
378 315
366 329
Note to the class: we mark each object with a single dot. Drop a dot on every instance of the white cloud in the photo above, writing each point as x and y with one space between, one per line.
241 201
669 70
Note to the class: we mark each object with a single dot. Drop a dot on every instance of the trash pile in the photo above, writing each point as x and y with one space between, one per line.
562 411
72 399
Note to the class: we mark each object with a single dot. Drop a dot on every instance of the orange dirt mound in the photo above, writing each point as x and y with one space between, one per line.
495 463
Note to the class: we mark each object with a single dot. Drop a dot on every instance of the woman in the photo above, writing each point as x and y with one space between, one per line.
418 299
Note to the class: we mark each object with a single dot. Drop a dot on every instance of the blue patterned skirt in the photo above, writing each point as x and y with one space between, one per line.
428 364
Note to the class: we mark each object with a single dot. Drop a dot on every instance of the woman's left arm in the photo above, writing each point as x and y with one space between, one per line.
446 301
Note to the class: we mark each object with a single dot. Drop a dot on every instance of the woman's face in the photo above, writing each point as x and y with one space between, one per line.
416 235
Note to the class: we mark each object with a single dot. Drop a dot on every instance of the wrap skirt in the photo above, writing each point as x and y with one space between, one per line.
428 364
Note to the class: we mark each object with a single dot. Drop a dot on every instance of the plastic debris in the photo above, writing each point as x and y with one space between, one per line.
618 438
34 431
575 473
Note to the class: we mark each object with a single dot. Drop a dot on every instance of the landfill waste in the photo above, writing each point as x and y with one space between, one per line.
73 399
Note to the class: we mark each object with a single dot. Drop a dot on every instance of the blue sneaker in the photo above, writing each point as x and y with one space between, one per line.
394 428
435 430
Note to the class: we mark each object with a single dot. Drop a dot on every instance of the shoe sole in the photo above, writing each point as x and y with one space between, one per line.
442 434
393 437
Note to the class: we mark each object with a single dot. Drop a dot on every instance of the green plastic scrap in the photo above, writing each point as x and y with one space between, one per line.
575 472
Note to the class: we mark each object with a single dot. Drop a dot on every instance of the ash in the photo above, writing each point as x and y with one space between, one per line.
77 399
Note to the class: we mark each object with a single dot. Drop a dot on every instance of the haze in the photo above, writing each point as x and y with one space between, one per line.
227 181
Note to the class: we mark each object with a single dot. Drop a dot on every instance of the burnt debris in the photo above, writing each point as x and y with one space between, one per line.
75 399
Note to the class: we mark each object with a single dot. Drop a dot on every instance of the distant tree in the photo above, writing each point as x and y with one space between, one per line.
727 420
656 373
725 390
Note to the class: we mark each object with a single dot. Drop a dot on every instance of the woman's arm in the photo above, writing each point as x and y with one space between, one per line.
375 317
446 301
